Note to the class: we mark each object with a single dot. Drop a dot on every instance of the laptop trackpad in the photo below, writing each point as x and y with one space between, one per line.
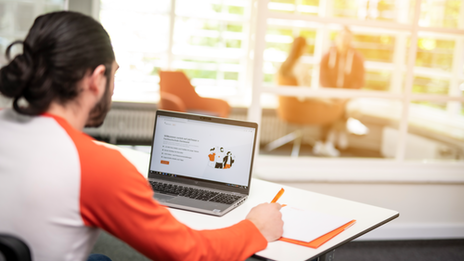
207 205
163 197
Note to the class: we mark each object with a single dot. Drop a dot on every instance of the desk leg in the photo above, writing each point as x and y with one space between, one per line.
330 256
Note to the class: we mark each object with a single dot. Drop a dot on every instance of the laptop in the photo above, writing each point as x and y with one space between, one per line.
201 163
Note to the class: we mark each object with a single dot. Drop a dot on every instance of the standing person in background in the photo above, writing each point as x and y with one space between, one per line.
291 71
341 67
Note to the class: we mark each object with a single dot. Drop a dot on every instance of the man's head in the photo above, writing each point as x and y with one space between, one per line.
60 49
344 39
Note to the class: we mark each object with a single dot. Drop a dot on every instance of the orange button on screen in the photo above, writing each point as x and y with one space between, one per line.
165 162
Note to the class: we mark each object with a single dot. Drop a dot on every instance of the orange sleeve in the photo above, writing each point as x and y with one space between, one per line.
117 198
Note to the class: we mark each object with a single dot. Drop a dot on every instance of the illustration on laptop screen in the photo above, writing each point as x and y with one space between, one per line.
204 150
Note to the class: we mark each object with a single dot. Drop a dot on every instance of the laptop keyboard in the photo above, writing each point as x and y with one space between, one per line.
193 193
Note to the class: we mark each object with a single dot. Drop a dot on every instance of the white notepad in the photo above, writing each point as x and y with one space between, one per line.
307 225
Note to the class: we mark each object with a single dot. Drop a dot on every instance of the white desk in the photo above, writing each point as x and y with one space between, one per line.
367 217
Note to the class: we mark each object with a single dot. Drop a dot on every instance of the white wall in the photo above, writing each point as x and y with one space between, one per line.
427 211
87 7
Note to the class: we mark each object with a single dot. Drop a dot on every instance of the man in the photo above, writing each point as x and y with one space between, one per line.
341 67
219 158
228 160
58 187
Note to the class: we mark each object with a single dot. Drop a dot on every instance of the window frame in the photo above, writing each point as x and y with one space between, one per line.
329 169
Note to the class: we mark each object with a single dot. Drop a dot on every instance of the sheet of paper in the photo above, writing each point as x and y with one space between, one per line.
307 225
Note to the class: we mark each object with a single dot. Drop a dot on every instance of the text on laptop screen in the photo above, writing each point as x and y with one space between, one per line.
205 150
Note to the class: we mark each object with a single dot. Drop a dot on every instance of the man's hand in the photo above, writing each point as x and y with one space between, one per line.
268 219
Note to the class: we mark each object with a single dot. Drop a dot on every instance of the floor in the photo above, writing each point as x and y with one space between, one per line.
423 250
420 250
307 150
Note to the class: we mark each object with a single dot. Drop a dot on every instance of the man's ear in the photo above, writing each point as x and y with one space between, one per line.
98 81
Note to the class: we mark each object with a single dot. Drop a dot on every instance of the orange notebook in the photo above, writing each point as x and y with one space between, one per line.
321 240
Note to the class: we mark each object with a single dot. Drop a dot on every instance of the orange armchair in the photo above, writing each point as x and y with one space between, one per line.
177 94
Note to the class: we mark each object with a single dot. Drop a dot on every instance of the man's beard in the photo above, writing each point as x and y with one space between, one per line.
98 113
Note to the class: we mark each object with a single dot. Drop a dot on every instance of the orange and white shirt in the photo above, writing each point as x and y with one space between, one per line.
58 188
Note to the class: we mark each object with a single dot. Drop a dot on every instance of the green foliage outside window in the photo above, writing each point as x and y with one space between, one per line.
279 31
236 10
386 9
283 1
285 47
200 61
310 2
234 28
436 105
378 48
444 13
345 8
155 70
231 76
382 54
435 53
204 41
377 80
430 85
203 74
269 78
216 8
233 43
210 25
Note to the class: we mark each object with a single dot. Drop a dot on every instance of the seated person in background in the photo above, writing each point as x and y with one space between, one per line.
341 67
58 187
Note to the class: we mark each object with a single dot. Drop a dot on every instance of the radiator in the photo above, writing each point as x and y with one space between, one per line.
135 122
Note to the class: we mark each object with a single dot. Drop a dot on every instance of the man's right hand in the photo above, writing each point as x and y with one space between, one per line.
268 219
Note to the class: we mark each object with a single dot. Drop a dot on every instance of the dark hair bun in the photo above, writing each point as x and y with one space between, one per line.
15 76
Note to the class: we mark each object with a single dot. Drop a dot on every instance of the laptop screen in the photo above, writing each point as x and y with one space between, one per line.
202 149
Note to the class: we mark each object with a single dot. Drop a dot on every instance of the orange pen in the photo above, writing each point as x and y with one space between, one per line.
281 191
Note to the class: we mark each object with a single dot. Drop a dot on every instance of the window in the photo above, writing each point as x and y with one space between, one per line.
141 43
414 110
207 39
17 16
216 42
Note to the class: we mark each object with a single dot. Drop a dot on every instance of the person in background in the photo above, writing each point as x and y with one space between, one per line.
58 187
291 72
341 67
